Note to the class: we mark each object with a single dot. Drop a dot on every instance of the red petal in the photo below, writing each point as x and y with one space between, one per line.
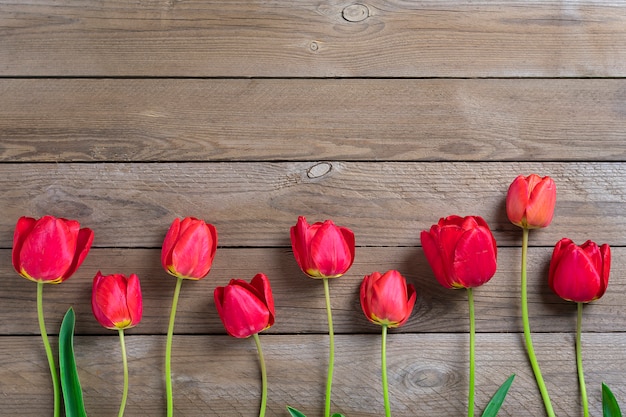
48 250
83 245
134 299
540 208
474 258
330 252
242 313
365 294
575 277
436 255
262 284
22 230
193 253
299 243
517 200
389 297
168 244
557 253
412 296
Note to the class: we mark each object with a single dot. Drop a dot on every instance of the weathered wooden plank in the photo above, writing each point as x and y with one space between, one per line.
54 120
218 375
255 204
300 306
311 39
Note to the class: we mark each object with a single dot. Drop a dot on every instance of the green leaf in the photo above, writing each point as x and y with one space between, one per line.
610 408
496 401
72 391
294 412
337 415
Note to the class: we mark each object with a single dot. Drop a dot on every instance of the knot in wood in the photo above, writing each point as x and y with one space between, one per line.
319 170
355 12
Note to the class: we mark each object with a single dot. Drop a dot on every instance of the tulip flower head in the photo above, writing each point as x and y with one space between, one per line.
387 299
530 201
49 249
245 308
461 251
189 248
322 249
116 301
579 273
530 204
187 253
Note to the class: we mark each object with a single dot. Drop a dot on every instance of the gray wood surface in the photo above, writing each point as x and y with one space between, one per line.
48 120
383 116
219 375
453 38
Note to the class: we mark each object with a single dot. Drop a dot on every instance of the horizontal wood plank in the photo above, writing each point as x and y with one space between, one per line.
219 375
456 38
50 120
255 204
300 306
381 115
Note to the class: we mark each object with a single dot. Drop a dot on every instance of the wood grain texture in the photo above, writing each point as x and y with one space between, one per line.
300 306
381 115
255 204
313 38
52 120
219 375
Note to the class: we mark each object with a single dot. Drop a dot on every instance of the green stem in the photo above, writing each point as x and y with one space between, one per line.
125 364
331 357
168 350
46 343
257 340
579 361
383 362
527 336
472 369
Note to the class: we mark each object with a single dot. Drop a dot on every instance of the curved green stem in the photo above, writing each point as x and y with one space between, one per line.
331 356
527 336
257 340
46 343
125 364
168 350
472 369
383 362
579 361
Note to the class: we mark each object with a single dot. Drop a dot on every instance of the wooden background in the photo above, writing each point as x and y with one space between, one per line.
380 115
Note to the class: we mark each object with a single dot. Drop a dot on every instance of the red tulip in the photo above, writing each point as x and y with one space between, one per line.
461 251
245 308
189 248
530 201
116 300
579 273
50 249
322 250
387 299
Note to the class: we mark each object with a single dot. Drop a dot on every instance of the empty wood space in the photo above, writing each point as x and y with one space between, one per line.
381 115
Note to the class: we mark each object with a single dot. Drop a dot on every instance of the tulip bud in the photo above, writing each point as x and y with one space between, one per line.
322 250
116 301
189 248
50 249
579 273
245 308
387 299
461 251
530 201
